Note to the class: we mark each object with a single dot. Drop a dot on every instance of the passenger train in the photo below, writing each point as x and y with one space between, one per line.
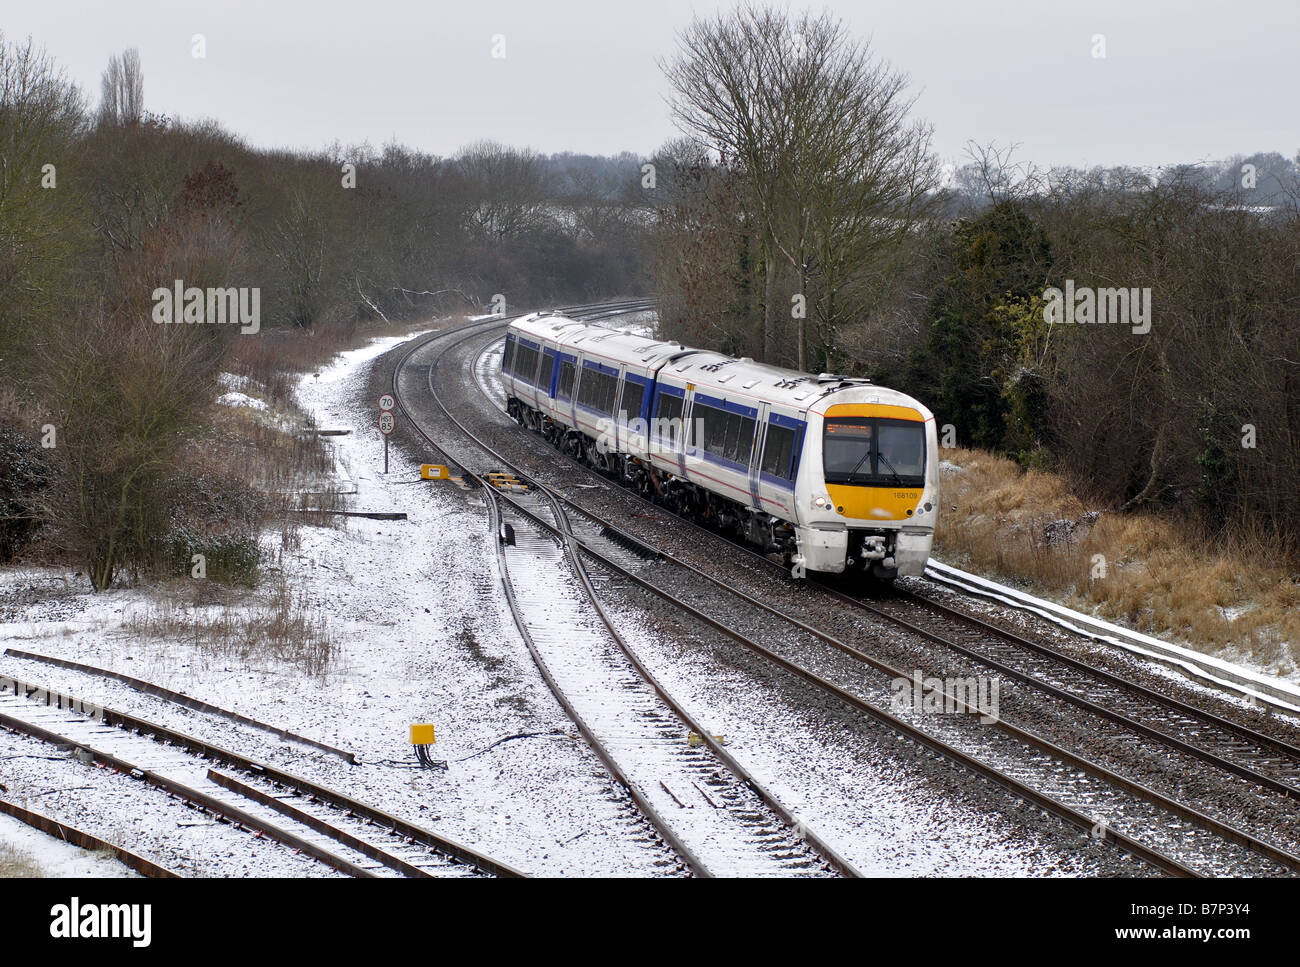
829 472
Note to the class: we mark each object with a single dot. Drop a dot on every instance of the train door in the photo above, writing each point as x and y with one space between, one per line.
690 441
566 384
619 380
756 455
549 371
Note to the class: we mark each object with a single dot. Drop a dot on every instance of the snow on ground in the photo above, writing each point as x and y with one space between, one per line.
421 635
45 855
241 399
1229 665
638 323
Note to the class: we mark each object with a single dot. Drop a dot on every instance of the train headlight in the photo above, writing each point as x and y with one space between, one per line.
821 503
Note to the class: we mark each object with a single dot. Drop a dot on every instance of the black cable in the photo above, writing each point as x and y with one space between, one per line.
508 738
427 761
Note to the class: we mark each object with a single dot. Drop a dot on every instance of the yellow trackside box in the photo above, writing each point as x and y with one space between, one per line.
434 471
422 735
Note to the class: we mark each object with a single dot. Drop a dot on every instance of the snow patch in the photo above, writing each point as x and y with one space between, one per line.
241 399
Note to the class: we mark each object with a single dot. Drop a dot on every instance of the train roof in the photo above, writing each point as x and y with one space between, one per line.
728 374
618 343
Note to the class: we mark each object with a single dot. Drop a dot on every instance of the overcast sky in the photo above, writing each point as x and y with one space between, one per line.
1182 80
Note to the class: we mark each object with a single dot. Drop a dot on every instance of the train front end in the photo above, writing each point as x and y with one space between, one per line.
869 484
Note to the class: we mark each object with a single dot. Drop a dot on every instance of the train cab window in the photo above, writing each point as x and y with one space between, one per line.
564 389
509 356
778 451
874 452
901 449
633 397
548 369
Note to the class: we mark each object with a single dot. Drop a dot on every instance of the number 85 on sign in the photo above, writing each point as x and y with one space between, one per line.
386 423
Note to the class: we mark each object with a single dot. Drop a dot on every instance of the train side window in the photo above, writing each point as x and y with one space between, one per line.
520 368
668 418
587 388
564 390
745 441
713 423
610 394
731 436
597 390
779 450
727 435
633 395
548 370
526 360
509 357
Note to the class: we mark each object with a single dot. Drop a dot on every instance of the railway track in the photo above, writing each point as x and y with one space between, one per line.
345 834
180 699
87 841
1263 760
607 560
1189 823
712 812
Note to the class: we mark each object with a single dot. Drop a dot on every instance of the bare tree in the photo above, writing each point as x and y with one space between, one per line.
42 238
122 90
718 79
820 128
508 187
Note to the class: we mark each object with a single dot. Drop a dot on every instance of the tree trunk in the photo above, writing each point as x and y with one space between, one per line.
769 307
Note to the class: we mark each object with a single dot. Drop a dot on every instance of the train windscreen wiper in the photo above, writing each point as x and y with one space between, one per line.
885 460
861 460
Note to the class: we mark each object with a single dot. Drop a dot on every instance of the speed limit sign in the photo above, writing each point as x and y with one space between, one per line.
386 422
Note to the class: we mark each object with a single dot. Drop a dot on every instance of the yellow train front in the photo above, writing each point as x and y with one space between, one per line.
872 483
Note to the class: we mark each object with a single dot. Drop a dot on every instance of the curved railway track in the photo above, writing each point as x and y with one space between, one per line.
1193 822
713 813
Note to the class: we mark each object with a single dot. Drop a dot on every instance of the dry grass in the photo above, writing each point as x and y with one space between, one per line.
277 356
275 454
1160 577
277 451
280 630
16 865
